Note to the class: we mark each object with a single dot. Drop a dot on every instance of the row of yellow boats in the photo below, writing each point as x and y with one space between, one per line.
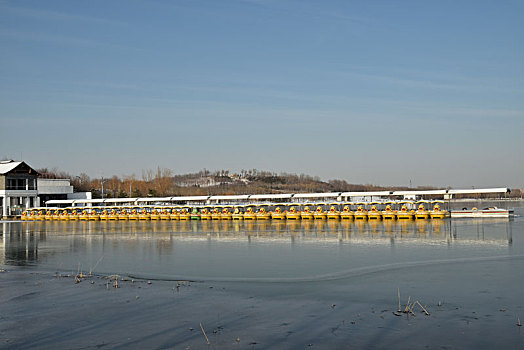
308 211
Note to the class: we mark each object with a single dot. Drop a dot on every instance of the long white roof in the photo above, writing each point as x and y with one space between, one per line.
481 190
365 194
189 198
153 199
242 196
120 200
316 195
418 193
279 196
271 196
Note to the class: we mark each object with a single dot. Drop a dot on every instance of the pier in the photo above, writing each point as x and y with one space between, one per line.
380 205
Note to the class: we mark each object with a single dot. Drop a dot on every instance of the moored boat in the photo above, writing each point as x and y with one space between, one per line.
250 213
388 213
263 212
361 213
347 213
84 215
133 215
279 213
123 214
333 213
175 213
56 214
164 214
437 212
73 215
227 213
113 214
184 213
195 214
374 213
421 212
48 214
104 214
39 215
238 213
293 213
307 213
144 214
205 213
404 213
490 212
155 213
94 214
64 214
320 213
215 214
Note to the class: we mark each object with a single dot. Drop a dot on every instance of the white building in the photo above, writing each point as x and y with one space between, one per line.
18 187
58 189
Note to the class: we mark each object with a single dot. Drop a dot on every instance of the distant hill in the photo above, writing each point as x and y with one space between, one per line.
162 182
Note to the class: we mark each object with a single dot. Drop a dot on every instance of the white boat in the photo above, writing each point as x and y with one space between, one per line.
491 212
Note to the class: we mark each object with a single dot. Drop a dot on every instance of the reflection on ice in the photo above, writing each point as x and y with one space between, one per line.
19 242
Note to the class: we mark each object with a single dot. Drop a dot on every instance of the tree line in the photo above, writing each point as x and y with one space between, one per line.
162 182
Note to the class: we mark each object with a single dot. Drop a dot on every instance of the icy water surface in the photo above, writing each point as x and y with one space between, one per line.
257 285
256 251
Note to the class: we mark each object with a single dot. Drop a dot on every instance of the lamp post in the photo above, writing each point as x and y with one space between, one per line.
102 187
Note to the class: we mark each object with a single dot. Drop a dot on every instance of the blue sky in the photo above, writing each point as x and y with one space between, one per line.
379 92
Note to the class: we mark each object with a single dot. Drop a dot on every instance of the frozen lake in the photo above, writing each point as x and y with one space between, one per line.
468 273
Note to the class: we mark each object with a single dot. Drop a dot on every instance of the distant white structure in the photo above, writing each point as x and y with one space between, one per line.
58 189
267 198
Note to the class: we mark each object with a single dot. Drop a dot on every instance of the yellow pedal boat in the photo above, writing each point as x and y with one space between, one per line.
263 213
293 213
307 214
389 213
404 213
333 213
346 213
421 213
238 214
361 213
374 213
278 213
320 213
250 213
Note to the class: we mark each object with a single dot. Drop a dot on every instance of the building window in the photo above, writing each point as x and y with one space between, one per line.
15 184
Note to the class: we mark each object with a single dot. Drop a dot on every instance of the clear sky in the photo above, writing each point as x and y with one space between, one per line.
379 92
